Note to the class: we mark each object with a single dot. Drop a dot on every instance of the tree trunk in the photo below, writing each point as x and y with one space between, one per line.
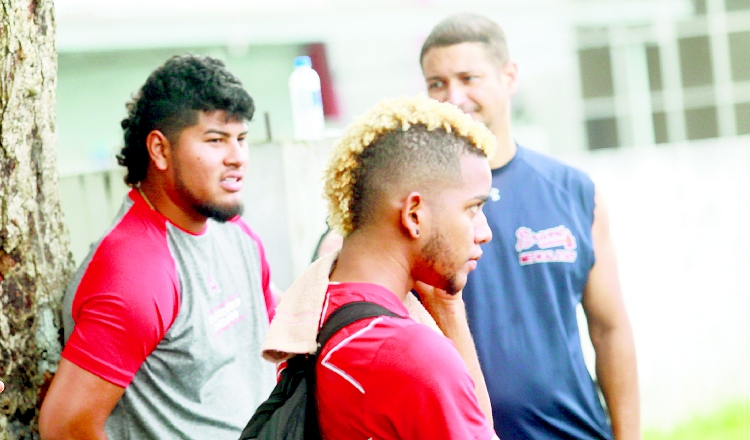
35 261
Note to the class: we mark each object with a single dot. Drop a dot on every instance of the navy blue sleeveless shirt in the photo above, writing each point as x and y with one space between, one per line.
521 301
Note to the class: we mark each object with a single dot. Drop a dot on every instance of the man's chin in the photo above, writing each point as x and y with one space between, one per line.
459 281
220 213
454 285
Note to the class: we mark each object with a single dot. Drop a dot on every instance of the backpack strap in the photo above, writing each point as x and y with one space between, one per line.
347 314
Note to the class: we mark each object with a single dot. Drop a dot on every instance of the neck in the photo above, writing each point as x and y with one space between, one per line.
366 258
145 198
159 200
506 148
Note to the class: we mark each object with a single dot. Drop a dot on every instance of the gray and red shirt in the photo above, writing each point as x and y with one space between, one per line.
177 319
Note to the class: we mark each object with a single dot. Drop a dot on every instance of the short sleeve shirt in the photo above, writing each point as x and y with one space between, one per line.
175 318
392 378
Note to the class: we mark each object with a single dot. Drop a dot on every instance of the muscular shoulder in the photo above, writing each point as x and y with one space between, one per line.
413 351
130 273
390 345
133 254
554 170
419 368
566 178
125 293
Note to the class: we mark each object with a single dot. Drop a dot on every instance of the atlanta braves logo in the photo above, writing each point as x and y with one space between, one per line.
556 237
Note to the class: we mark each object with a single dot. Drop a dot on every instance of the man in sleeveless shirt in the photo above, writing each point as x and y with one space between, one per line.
165 318
405 188
551 251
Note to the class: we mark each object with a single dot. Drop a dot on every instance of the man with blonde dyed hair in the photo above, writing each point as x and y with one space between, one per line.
551 251
406 185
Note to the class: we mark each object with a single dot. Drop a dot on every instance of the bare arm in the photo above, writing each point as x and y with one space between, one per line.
449 313
611 333
77 404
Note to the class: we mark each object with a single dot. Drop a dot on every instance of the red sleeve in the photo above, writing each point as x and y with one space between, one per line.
265 269
125 302
428 392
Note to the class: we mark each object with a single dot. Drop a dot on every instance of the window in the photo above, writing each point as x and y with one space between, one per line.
596 72
700 92
699 6
737 5
742 111
739 53
661 135
701 123
695 61
602 133
653 59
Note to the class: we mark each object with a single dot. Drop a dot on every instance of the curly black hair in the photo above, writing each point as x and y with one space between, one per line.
170 100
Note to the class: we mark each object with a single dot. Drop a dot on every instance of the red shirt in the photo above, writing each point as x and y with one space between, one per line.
392 378
127 294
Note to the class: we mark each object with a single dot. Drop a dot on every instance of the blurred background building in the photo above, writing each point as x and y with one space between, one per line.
651 97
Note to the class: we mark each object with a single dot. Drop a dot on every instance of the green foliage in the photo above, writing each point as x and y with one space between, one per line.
729 423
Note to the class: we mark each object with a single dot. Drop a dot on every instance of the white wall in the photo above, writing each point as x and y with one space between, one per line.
678 218
373 46
93 88
284 204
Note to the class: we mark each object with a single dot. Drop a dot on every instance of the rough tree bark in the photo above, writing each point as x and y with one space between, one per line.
35 261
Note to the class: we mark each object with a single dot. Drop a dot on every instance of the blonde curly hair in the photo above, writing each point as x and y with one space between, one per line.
391 116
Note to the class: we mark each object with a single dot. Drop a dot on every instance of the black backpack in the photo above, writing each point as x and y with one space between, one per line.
290 411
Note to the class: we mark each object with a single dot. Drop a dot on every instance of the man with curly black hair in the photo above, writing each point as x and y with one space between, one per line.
164 319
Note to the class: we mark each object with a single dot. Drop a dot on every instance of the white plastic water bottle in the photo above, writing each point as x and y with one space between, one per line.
307 104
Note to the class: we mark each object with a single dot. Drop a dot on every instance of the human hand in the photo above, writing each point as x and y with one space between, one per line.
444 307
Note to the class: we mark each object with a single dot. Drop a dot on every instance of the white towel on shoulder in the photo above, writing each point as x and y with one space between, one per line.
295 325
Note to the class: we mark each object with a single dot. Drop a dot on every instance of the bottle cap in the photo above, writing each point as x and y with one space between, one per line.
302 61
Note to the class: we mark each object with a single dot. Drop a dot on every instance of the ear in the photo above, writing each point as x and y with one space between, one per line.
414 215
510 75
159 149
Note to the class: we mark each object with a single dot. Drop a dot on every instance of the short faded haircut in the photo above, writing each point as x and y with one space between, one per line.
407 141
469 28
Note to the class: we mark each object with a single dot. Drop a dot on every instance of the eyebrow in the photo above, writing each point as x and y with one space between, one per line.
463 72
222 133
482 199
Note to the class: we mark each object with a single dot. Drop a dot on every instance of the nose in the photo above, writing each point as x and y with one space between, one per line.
456 94
482 231
237 153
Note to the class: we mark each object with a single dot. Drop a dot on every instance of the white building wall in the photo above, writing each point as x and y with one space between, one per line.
373 46
678 215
